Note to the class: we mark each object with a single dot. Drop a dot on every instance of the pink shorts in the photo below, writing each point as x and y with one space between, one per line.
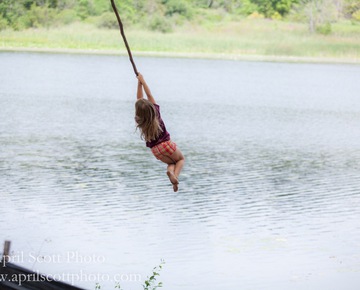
166 148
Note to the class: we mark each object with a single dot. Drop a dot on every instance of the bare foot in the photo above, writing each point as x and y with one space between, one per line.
172 178
175 187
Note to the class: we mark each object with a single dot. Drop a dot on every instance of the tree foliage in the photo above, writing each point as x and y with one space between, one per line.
158 14
270 7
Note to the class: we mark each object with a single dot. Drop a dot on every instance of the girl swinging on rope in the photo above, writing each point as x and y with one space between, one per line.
153 131
151 125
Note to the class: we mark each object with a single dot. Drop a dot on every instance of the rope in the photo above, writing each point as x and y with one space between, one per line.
123 36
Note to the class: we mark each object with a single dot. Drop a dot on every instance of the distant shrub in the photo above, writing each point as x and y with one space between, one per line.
178 7
256 15
276 16
67 16
176 20
356 15
100 6
247 7
85 8
21 23
162 24
128 13
283 6
3 23
270 7
107 20
37 16
324 29
214 16
350 8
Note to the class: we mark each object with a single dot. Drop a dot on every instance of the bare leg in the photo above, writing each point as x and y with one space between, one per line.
171 174
174 181
178 167
179 162
170 171
171 167
175 165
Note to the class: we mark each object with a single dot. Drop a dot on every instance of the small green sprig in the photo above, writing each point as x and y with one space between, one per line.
151 283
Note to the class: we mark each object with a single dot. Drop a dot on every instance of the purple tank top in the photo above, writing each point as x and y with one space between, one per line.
164 136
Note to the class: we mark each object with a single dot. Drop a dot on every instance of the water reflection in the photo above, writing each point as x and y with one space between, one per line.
269 195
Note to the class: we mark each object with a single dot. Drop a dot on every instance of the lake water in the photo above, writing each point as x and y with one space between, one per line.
269 197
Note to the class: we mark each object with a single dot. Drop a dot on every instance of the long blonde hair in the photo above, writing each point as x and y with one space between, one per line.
146 119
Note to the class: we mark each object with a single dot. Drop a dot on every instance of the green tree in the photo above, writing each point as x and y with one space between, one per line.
37 16
10 11
270 7
66 4
180 7
85 8
352 9
320 14
246 7
101 6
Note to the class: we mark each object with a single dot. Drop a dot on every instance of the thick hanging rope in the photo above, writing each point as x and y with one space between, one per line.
123 36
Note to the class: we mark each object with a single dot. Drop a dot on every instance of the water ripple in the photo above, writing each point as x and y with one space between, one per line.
266 182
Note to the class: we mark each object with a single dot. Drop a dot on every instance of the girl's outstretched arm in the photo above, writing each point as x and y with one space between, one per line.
146 88
139 91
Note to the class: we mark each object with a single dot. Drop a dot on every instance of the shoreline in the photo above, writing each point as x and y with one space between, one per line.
195 55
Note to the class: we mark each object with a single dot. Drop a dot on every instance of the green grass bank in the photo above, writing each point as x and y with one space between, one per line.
251 39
